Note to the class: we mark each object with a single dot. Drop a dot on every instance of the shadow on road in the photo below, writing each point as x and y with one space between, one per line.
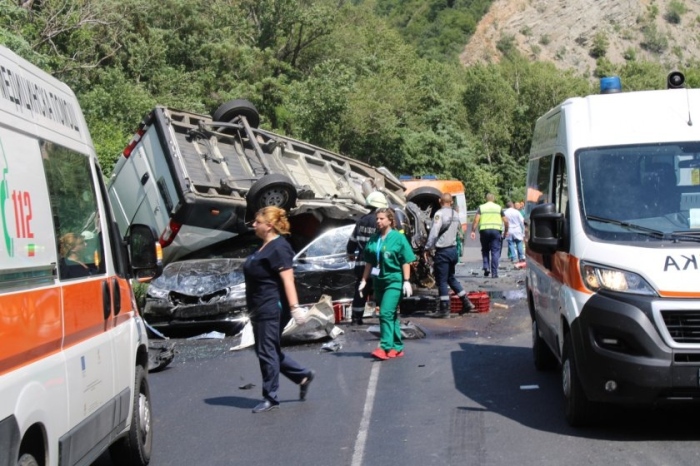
501 379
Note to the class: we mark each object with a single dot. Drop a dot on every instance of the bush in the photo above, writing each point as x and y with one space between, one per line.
600 45
653 40
674 11
545 39
506 44
630 54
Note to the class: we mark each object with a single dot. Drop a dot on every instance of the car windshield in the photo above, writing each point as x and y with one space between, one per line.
330 243
641 192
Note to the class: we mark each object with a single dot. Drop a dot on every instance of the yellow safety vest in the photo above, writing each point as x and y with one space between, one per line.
490 216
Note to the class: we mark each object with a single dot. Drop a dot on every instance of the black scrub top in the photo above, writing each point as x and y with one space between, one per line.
264 291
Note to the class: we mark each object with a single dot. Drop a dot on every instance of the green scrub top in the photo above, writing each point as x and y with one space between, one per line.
395 251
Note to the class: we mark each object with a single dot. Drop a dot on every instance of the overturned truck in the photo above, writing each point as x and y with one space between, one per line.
199 179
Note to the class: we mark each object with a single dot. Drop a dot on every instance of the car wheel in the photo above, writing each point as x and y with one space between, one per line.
272 190
578 410
136 447
233 108
542 355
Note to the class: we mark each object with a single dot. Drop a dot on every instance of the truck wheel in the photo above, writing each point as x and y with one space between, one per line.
233 108
272 190
427 198
136 447
542 355
578 410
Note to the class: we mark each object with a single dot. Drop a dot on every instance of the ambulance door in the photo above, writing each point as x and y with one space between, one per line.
559 262
86 296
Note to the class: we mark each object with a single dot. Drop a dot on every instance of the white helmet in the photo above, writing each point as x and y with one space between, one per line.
377 199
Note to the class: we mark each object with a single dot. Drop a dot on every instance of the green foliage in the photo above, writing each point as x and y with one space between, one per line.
506 45
630 54
437 28
545 39
674 11
600 45
654 41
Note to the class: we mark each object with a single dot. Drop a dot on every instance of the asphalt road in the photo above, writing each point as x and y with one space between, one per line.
466 394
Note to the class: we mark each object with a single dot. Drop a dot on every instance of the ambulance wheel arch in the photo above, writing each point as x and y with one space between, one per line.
238 107
271 190
136 446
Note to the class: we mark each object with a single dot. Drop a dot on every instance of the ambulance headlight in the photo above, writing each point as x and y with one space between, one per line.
596 278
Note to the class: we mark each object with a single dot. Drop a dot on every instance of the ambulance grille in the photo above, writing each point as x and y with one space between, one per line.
684 326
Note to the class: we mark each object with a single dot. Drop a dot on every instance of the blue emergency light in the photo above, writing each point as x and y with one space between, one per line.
610 85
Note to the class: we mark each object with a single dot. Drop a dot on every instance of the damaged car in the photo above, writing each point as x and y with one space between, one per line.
208 287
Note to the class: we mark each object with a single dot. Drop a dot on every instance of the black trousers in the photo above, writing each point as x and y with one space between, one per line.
273 361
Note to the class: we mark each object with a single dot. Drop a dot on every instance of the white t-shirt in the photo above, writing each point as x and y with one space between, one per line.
516 223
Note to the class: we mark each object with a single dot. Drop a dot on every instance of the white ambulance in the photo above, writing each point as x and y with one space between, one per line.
73 349
613 282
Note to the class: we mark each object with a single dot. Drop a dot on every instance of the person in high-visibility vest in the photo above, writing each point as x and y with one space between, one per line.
493 226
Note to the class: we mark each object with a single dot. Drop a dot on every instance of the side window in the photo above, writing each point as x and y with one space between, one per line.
538 184
561 185
75 211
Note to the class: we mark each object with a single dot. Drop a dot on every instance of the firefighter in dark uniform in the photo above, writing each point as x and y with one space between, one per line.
365 227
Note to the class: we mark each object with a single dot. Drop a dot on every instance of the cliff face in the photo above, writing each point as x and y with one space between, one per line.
570 33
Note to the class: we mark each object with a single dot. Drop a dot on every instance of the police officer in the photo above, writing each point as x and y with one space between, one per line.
365 227
443 239
491 220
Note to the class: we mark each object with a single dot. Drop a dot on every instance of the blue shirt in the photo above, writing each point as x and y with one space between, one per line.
264 291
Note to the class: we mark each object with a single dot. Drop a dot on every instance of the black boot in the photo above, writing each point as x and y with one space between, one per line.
467 305
357 317
444 311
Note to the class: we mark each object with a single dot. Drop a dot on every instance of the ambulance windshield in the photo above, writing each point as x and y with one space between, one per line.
646 191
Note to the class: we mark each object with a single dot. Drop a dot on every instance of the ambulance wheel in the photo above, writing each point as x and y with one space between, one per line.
578 410
427 198
272 190
136 447
27 460
542 355
233 108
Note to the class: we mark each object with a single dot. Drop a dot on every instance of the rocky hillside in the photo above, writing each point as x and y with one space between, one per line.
572 33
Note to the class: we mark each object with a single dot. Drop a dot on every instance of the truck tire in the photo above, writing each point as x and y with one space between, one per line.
425 197
578 410
541 354
272 190
233 108
135 448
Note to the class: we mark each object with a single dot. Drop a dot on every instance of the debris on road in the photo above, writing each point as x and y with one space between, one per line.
320 324
331 346
409 331
209 335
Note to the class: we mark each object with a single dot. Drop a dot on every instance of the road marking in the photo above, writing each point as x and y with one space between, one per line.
361 439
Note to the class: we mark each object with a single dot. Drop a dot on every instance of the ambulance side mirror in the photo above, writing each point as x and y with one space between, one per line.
545 229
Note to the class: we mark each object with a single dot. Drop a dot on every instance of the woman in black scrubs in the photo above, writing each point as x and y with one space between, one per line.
271 298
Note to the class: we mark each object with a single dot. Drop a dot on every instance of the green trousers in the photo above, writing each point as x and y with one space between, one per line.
389 324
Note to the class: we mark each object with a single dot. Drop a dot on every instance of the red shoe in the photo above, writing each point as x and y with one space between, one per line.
395 354
380 354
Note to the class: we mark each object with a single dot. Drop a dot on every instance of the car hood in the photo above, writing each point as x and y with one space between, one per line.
200 277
